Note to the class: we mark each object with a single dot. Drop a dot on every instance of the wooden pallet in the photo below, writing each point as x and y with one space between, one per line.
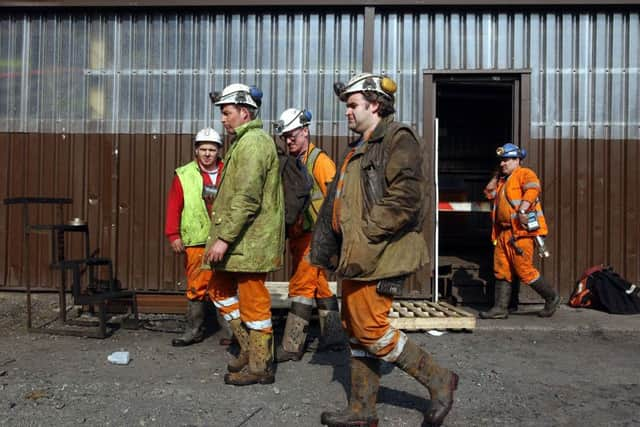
416 315
409 315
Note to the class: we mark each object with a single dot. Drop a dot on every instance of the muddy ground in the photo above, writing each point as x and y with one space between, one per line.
541 377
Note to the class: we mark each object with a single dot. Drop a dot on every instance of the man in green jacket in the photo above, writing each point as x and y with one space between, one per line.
246 240
369 231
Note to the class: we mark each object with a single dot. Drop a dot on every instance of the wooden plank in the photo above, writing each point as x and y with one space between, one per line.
456 309
442 309
402 310
431 310
414 309
418 323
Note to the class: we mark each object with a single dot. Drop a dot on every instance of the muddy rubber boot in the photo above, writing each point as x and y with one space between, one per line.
295 333
332 336
365 382
501 302
194 332
260 367
440 381
551 298
227 338
242 335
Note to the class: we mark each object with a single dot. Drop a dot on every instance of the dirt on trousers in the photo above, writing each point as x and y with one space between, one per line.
507 378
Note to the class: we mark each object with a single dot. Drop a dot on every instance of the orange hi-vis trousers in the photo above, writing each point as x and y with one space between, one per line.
307 281
200 284
365 319
254 300
197 279
508 264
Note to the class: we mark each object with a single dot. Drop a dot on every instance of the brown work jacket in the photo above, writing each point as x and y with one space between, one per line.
382 210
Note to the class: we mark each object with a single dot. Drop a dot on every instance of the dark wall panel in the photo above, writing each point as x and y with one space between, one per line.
591 205
45 165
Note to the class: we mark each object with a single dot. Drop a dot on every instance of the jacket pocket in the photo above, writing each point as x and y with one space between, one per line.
373 184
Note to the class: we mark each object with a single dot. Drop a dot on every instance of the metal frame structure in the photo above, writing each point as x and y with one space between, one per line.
97 292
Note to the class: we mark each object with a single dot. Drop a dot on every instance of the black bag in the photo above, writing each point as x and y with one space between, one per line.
603 289
297 186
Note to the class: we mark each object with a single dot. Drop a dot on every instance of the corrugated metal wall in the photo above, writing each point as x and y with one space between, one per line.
145 73
585 67
107 95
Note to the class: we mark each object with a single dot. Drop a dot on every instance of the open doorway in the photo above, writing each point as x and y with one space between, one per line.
475 115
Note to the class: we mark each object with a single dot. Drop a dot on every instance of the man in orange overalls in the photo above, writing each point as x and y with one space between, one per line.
307 282
370 232
517 220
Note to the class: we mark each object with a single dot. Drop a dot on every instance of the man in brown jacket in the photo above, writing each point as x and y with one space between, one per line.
369 231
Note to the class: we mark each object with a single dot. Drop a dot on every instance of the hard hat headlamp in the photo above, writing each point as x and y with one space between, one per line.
511 151
366 83
292 119
238 94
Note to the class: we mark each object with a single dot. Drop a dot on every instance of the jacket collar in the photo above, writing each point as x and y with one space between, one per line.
378 134
244 128
381 129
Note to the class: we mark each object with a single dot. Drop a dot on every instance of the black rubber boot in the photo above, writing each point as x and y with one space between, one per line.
365 382
332 336
194 332
440 382
551 298
295 333
500 308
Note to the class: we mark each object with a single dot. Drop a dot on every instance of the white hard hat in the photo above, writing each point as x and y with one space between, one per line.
291 119
366 82
238 93
208 135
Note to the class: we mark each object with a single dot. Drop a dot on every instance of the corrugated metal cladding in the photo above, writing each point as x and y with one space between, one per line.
118 72
585 114
585 67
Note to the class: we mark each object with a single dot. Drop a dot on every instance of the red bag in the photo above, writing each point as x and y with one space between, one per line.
582 295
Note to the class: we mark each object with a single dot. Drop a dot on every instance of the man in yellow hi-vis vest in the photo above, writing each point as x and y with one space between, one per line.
187 225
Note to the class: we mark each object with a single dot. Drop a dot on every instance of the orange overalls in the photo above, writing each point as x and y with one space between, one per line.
307 281
514 244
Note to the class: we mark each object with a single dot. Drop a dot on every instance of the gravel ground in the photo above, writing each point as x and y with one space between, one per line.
507 378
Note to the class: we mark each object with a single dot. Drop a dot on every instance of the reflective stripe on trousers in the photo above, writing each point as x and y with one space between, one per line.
254 300
365 314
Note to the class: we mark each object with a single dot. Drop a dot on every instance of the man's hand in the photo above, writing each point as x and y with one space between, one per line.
491 187
522 213
523 218
216 251
177 246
